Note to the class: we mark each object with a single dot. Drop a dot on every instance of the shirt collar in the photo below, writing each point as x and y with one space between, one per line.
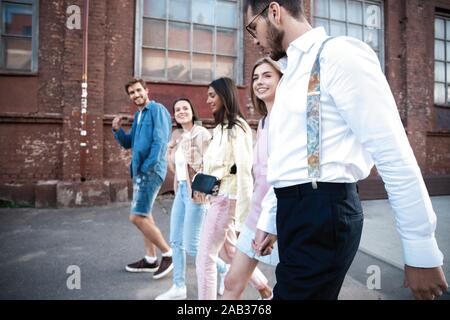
303 43
307 40
147 106
283 64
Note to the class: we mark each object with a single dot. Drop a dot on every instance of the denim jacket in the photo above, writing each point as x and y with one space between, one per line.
148 140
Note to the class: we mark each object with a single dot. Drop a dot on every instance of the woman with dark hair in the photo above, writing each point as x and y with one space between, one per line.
265 77
185 157
229 158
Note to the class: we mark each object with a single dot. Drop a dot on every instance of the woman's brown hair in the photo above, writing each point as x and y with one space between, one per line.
259 105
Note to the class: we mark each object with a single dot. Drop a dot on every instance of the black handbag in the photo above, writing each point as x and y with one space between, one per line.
206 184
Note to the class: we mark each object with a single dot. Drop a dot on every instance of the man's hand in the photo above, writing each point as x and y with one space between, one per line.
263 242
117 123
425 283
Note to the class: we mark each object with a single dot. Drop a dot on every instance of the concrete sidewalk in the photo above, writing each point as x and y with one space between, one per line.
381 246
37 246
380 238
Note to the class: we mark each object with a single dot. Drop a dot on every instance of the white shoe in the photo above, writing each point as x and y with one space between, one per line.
174 293
222 275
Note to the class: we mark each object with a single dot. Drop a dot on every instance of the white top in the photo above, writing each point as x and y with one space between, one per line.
180 164
360 126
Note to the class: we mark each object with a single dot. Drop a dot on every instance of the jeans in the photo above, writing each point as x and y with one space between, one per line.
185 224
145 189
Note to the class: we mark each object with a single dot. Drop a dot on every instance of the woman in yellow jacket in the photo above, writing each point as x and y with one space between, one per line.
229 158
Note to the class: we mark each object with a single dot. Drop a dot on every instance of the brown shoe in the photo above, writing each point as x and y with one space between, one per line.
165 267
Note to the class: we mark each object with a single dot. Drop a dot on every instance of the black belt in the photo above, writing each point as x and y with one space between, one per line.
322 187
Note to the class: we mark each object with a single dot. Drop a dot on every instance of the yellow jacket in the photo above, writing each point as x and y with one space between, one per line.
229 147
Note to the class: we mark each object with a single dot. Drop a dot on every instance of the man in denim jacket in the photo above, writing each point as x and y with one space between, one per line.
148 140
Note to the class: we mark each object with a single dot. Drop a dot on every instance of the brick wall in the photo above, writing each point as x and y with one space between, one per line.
438 155
52 19
40 114
30 152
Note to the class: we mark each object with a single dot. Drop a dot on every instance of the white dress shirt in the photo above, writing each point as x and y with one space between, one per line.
360 126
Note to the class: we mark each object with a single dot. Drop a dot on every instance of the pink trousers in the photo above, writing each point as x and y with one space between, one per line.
218 237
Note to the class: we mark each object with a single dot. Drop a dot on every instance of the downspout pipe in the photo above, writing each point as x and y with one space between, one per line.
84 94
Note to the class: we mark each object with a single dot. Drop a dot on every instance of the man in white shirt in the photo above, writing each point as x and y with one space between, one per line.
319 220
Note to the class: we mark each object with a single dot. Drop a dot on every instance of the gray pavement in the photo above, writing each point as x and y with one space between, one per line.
37 246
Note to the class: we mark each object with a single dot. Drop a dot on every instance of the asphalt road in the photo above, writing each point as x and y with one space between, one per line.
42 250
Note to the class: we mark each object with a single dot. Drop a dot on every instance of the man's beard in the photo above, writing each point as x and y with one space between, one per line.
141 105
275 40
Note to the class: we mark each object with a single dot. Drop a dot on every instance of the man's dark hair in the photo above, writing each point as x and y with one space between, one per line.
133 82
294 7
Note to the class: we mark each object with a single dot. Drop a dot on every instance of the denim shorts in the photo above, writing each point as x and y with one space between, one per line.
244 244
145 189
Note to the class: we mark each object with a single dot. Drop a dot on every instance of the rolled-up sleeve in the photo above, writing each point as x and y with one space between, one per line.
123 138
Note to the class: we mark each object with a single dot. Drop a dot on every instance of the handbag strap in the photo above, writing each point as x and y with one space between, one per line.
313 121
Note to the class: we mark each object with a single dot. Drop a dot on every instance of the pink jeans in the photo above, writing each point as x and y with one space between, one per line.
218 237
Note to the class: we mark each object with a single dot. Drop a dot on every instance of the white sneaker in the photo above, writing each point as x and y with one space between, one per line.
174 293
222 275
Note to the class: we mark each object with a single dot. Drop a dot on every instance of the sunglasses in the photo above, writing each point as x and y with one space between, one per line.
249 27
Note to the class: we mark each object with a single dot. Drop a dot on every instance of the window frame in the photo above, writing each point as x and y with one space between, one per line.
239 65
446 39
381 31
34 38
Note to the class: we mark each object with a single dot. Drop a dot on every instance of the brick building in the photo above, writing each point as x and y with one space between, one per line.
179 46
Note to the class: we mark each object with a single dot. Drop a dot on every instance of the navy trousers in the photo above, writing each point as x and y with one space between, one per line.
319 231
